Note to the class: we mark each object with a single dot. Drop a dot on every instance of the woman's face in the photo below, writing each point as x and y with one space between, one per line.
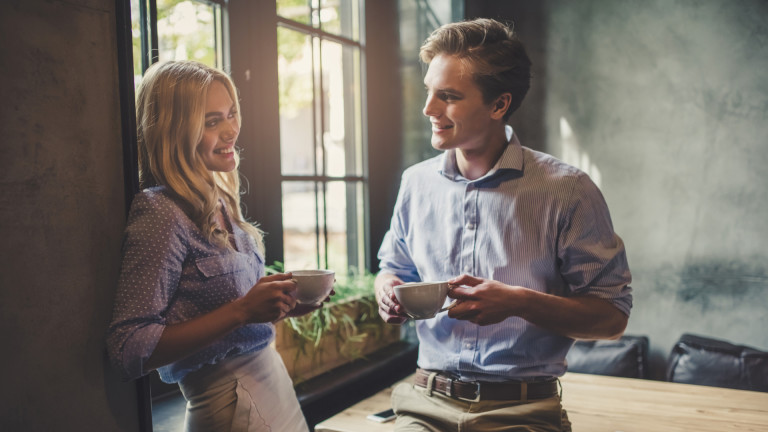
217 148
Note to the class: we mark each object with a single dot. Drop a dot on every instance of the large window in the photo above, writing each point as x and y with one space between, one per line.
176 30
321 142
321 119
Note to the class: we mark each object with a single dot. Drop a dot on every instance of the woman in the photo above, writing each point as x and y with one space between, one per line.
192 300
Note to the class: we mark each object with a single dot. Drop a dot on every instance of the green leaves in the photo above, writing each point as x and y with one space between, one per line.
350 318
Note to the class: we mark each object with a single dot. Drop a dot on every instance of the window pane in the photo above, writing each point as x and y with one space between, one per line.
341 17
294 64
322 224
336 201
418 18
341 93
301 213
296 10
187 30
345 226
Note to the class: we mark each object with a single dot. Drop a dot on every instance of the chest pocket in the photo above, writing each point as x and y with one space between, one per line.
220 265
235 273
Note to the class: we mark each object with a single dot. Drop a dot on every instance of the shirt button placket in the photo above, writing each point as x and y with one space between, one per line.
468 233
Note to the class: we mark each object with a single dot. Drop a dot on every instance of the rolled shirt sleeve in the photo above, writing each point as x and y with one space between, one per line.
153 254
592 257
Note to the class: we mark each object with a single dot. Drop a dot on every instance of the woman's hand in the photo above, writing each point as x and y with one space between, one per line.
303 309
270 300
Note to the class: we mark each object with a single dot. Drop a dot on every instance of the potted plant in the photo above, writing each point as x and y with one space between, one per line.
343 330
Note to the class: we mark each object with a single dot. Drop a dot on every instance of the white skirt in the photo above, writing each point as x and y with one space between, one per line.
250 392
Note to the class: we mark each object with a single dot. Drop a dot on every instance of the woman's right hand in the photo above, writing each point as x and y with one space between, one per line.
270 299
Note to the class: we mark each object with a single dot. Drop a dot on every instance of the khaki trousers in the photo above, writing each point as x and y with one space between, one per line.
418 412
250 392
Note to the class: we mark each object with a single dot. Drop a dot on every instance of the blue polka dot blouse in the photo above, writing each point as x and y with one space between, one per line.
171 273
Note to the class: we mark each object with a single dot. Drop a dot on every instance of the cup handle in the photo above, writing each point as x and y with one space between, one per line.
450 306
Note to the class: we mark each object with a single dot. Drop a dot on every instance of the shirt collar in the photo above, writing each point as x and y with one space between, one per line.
511 159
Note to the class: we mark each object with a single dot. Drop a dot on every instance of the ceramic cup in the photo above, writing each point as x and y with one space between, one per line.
422 300
313 286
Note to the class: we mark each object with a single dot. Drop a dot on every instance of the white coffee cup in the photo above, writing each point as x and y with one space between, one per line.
422 300
313 286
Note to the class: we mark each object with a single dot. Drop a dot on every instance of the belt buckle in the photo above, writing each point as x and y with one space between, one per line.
477 394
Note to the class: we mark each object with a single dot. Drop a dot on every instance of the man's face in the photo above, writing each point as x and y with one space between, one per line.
460 119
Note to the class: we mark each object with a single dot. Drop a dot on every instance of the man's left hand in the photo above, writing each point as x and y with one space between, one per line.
483 301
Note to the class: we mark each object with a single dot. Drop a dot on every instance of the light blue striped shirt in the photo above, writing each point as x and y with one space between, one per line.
532 221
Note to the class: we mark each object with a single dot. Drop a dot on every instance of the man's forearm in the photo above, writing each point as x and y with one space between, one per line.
583 317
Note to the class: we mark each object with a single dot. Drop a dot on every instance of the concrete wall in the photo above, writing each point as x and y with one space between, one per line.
61 217
665 103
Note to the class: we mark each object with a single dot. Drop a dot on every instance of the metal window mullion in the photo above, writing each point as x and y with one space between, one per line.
321 142
226 50
324 178
144 34
315 109
363 122
154 52
218 43
317 223
325 221
350 153
303 28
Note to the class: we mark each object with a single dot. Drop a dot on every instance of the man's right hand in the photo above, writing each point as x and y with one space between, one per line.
389 308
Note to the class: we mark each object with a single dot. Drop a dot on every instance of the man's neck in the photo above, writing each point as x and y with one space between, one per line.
475 163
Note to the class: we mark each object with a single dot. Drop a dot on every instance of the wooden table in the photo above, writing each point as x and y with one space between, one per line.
608 404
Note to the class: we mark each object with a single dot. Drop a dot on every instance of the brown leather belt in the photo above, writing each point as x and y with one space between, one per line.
475 391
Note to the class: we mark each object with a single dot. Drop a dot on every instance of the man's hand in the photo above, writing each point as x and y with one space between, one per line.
482 301
389 308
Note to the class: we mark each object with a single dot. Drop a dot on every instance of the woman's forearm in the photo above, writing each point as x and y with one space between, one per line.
183 339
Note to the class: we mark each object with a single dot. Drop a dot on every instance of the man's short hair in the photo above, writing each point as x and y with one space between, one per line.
491 51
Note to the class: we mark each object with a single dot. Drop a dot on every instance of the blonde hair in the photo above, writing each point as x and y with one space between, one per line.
491 51
170 117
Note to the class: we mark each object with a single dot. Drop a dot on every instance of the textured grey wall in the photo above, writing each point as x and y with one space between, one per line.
61 217
668 102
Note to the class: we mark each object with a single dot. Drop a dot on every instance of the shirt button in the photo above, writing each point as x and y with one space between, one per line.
468 346
470 226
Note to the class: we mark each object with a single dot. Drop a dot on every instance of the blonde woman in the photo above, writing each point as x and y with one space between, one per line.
192 300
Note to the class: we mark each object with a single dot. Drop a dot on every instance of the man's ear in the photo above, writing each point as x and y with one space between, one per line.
500 105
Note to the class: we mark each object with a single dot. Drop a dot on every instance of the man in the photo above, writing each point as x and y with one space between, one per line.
531 236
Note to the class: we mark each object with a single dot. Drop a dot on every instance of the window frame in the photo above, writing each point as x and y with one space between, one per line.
253 38
355 257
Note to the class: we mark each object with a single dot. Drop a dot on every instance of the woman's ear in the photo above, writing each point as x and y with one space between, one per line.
500 105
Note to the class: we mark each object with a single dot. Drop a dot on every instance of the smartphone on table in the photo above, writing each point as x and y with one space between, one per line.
383 416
